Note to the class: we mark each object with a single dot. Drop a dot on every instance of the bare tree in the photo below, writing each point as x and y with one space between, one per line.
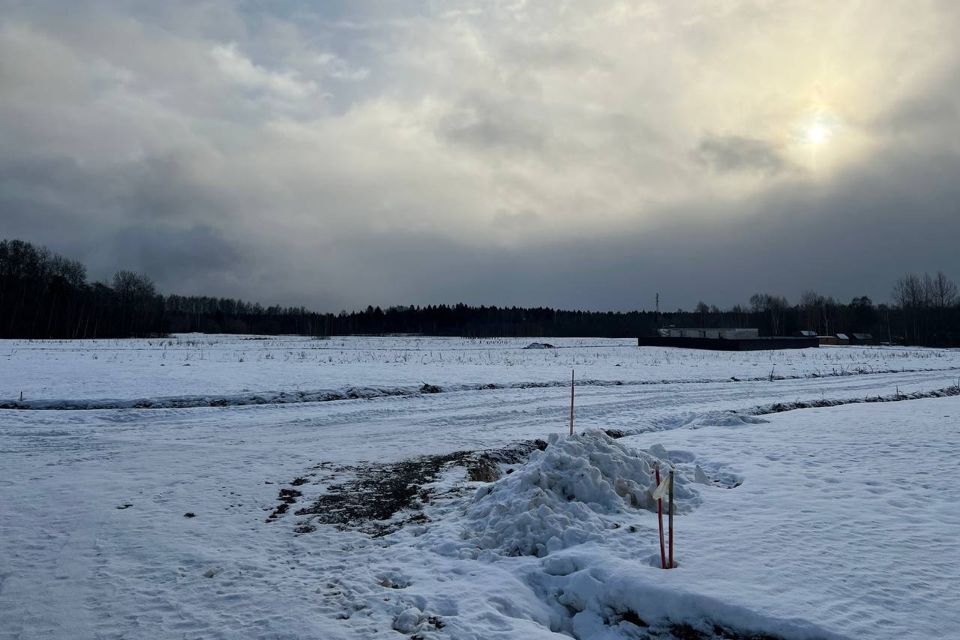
943 292
133 286
774 307
915 295
909 292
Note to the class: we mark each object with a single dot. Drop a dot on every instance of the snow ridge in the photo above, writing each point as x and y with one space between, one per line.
370 392
780 407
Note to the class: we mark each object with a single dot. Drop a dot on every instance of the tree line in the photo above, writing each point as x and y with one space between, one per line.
45 295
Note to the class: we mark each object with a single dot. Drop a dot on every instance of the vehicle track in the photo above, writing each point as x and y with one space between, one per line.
371 392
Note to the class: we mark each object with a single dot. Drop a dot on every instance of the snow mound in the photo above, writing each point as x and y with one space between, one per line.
539 345
564 495
697 420
612 600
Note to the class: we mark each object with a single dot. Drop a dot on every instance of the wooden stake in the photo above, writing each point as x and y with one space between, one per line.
670 509
663 551
571 401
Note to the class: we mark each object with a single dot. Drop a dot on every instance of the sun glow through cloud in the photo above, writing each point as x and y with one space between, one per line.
816 138
818 127
817 134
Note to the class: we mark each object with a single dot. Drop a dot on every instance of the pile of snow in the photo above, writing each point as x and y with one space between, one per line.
539 345
566 494
613 600
714 418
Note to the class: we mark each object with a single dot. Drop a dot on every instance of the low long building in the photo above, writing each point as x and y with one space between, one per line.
721 339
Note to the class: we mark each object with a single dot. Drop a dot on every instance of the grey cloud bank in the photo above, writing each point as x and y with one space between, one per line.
350 154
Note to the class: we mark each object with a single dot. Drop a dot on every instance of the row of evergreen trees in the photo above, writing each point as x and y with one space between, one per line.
44 295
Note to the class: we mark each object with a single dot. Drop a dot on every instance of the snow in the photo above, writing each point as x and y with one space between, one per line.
223 366
847 514
559 499
820 522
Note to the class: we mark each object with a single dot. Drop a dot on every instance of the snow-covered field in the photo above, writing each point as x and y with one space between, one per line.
814 523
215 365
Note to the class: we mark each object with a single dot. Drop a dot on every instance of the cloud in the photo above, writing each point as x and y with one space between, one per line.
849 238
194 258
284 85
486 125
342 154
725 154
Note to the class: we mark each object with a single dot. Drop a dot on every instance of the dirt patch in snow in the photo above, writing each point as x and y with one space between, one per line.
685 631
286 497
377 492
706 630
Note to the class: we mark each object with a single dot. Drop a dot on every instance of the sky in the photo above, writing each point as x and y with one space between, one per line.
582 155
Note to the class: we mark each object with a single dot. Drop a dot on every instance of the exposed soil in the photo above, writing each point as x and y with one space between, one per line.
286 497
684 631
377 492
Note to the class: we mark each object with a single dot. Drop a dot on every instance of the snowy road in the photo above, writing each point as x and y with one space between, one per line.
94 541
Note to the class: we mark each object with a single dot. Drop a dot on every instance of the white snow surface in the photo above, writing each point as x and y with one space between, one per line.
195 365
837 522
559 499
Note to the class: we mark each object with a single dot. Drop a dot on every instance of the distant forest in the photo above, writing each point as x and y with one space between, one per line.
45 295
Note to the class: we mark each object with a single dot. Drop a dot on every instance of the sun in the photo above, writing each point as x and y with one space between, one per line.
817 134
818 138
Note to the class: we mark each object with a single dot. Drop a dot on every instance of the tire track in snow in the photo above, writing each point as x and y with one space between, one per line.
366 393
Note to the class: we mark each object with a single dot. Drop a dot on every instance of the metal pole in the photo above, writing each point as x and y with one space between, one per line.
670 507
571 401
663 551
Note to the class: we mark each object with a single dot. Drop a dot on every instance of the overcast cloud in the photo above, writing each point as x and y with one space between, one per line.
581 154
